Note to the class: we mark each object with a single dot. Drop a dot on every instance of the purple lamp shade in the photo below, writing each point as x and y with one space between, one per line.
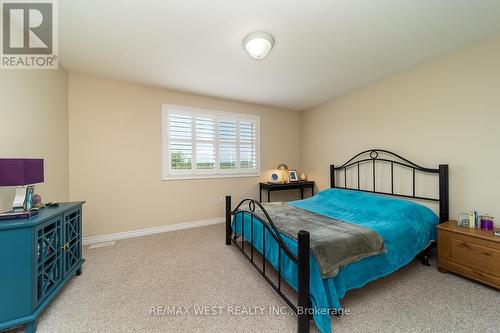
20 171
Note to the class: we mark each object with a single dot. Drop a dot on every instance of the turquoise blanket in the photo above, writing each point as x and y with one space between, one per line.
406 227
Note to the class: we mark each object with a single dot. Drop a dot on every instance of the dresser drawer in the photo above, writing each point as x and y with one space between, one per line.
478 257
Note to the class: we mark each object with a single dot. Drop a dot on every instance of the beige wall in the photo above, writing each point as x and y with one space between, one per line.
115 156
444 111
34 123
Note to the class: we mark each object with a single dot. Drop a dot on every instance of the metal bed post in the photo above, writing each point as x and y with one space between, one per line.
444 193
229 230
332 176
303 292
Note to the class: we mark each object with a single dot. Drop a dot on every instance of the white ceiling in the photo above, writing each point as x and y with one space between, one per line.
323 48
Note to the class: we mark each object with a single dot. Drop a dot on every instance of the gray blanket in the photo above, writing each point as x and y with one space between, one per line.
334 243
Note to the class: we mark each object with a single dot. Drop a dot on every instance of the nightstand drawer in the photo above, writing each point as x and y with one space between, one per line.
475 256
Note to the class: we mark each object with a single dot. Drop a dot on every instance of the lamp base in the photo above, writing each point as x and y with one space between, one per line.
20 197
24 197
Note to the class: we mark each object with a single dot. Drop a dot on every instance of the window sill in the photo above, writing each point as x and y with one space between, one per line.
220 176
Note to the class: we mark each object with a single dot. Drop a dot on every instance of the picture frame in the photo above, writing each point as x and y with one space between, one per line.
292 176
28 199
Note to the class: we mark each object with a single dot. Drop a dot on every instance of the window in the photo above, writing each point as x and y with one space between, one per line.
200 143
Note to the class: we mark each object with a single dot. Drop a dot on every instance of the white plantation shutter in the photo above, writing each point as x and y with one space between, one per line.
205 143
201 143
248 144
227 144
180 141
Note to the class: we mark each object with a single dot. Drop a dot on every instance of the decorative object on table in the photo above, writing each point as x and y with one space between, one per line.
470 220
21 172
303 176
275 177
37 201
486 222
284 174
463 220
496 232
292 175
28 199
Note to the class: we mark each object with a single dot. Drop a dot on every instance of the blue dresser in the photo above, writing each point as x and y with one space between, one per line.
38 256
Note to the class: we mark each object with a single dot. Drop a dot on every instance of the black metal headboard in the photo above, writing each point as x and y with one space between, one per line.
372 156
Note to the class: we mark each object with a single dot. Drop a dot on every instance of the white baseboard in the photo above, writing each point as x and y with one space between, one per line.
150 231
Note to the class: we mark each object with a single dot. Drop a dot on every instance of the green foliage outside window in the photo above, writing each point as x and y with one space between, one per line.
179 161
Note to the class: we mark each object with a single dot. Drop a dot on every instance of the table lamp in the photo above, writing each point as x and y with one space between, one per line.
21 172
283 168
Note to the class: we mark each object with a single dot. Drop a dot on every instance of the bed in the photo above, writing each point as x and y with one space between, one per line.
406 228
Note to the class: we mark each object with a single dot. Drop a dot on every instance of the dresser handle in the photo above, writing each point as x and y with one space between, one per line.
464 244
488 254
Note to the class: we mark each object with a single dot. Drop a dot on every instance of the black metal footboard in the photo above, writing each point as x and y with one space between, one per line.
302 259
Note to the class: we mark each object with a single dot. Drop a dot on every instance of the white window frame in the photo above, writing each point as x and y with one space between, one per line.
169 174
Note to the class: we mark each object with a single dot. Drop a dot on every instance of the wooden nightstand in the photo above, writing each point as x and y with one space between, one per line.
472 253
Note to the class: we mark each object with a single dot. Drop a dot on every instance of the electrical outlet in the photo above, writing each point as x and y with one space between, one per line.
221 199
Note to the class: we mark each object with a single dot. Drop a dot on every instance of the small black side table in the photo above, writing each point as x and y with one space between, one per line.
269 187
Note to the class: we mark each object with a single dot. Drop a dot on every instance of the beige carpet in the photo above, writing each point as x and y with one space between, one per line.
193 267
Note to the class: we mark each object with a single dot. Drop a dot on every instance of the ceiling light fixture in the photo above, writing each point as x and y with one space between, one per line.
258 44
